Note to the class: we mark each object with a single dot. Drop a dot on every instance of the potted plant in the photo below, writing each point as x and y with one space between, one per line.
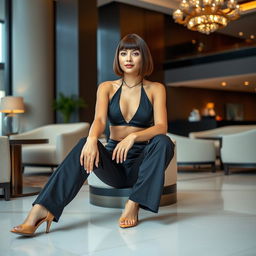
67 105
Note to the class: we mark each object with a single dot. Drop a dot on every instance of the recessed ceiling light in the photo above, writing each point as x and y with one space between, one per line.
223 84
252 36
246 83
240 33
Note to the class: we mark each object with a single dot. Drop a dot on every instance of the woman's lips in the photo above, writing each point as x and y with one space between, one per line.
129 66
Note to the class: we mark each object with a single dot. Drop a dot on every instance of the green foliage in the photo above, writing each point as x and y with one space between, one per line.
67 105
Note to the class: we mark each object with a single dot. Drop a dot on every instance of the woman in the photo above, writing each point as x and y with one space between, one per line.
136 154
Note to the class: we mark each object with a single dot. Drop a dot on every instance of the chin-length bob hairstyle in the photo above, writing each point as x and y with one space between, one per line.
133 41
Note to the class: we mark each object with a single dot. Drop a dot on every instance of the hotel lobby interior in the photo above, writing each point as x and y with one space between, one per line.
53 56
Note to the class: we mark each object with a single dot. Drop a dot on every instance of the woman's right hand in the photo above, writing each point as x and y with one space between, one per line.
90 155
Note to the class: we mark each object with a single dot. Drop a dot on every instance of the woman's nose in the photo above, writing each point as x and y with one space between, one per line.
129 57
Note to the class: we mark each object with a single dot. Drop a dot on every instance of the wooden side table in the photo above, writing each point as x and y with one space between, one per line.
17 188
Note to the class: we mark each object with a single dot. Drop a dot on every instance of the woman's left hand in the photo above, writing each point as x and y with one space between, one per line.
122 148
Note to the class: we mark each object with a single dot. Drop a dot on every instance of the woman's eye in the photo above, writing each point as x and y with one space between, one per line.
122 53
136 53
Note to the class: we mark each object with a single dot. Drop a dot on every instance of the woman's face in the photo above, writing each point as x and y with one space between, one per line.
130 60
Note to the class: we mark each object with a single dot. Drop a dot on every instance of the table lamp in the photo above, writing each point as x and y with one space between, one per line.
11 105
209 111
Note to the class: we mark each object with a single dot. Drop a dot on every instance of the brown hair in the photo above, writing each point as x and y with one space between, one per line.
133 41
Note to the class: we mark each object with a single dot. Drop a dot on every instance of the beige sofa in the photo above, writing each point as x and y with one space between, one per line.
62 138
239 150
5 167
104 195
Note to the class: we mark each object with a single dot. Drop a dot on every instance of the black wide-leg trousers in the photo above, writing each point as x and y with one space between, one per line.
143 170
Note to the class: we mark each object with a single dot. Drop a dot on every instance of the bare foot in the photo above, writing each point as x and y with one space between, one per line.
130 214
36 213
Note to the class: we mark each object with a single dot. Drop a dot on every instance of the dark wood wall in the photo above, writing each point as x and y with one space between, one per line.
150 26
182 100
122 19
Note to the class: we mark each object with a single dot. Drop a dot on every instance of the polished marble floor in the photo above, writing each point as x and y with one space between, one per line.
215 216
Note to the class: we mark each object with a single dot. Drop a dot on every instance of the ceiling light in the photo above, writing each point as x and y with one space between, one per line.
249 6
206 16
223 84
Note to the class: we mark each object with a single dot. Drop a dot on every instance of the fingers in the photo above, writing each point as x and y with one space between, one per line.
125 153
119 154
89 163
85 163
97 159
114 153
81 158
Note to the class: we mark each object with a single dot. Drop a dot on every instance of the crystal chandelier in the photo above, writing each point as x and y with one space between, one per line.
206 16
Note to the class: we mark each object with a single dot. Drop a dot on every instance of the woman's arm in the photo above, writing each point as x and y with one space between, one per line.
100 116
160 115
90 153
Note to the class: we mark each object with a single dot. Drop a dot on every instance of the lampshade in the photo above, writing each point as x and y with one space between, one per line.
210 105
12 104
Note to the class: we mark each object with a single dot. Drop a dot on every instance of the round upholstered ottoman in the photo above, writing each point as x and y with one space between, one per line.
104 195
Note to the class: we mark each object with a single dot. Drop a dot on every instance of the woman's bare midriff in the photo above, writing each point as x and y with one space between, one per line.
120 132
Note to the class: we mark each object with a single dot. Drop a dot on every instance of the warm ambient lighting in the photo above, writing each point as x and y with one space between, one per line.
252 36
240 33
206 16
244 7
210 105
223 84
246 83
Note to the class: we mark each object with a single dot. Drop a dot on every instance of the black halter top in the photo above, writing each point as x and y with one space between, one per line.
143 117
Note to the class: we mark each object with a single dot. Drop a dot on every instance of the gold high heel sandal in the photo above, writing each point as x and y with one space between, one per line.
123 219
128 225
29 230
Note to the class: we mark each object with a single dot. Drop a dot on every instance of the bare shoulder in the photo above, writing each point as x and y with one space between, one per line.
108 85
154 87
